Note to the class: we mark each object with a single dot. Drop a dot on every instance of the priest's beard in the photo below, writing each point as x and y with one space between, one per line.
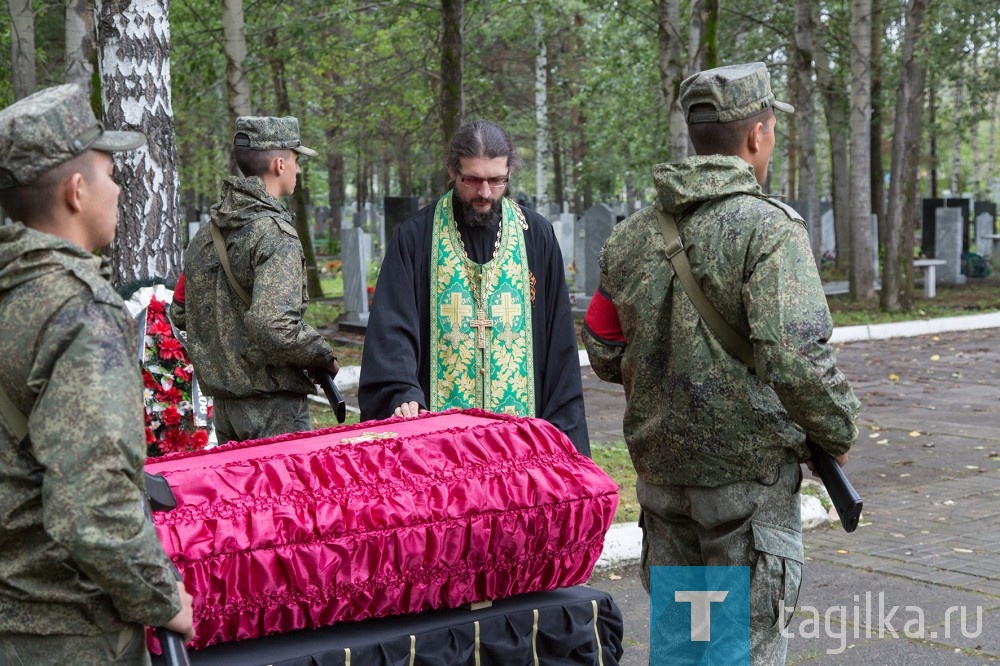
477 218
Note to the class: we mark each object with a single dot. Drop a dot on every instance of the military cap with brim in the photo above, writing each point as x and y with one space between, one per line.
734 92
270 133
50 127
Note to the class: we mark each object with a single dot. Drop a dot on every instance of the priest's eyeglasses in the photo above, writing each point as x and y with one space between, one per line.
496 182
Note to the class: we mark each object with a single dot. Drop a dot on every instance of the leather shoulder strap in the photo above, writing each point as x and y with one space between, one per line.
220 248
15 419
737 345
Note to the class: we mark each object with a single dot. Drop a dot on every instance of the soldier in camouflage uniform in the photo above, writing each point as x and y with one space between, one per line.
252 360
81 569
717 445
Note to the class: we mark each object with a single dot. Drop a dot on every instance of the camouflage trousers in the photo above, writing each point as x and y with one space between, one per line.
126 648
748 523
261 416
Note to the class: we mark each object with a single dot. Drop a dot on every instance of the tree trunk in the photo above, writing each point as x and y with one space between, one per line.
956 146
558 187
404 164
134 43
696 30
862 272
710 36
452 94
805 121
932 122
300 197
80 37
834 105
337 189
237 83
578 137
897 283
541 121
877 168
22 45
668 18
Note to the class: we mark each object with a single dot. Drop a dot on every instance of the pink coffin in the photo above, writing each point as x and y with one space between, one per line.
382 518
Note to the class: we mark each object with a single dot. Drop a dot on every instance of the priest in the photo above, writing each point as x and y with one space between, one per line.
471 307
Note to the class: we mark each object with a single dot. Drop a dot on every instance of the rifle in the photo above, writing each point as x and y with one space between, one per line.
159 497
843 495
332 393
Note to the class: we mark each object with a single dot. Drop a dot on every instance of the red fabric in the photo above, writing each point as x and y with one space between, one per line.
179 289
602 319
306 530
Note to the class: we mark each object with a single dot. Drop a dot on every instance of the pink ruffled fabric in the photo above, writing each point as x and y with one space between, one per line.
305 530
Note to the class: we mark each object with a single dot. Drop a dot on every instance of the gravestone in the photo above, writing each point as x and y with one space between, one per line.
985 219
948 223
355 253
563 226
928 218
828 232
397 210
596 225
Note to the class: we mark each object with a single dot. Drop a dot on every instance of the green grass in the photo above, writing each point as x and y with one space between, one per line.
615 461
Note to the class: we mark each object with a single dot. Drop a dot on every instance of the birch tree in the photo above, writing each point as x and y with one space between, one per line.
237 83
671 62
541 120
22 44
452 97
862 270
80 38
134 64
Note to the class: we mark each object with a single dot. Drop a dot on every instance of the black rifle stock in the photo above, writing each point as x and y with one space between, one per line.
159 497
843 495
332 393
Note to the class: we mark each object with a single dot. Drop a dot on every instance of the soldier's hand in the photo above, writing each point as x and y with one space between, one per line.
333 368
411 408
841 460
182 623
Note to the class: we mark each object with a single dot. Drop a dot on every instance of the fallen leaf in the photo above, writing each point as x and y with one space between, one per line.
972 467
882 441
935 357
903 476
873 435
893 377
963 550
914 433
936 338
843 552
614 577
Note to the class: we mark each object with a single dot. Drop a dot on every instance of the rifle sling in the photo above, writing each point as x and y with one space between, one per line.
220 248
730 338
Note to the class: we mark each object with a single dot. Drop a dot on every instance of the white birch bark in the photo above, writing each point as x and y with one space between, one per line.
668 16
805 121
134 63
956 143
238 85
541 121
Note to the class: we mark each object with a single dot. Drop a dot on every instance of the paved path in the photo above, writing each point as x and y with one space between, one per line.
928 466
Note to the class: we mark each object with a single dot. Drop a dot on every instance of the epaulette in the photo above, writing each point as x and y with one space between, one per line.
788 210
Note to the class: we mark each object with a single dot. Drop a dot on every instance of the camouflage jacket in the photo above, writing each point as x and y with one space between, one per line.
238 352
695 414
78 555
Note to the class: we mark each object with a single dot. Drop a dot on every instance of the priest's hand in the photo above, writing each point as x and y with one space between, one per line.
411 408
182 623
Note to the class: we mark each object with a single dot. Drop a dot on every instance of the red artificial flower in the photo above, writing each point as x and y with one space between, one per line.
170 416
171 349
171 396
150 437
181 373
209 411
199 439
149 381
161 327
156 306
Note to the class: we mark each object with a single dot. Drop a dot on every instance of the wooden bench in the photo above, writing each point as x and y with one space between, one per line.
929 267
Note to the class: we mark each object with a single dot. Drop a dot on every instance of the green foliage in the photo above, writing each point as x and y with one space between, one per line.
614 459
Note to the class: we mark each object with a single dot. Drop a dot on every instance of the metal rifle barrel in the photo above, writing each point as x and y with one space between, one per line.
332 394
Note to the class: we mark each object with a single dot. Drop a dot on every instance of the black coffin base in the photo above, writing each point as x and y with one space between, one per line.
575 625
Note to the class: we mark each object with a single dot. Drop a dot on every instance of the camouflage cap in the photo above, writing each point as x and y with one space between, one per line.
270 133
735 92
50 127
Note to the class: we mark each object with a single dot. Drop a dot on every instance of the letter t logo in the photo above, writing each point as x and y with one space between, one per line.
701 610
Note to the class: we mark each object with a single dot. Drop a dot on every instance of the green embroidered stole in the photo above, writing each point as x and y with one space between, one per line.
481 345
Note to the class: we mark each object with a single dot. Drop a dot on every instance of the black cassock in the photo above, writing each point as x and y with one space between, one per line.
395 366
